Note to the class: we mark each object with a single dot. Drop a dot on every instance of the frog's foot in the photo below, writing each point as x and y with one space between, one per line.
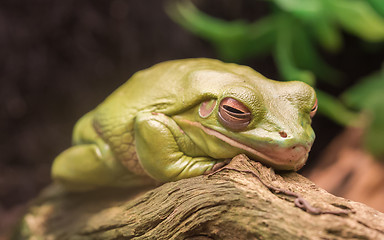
81 168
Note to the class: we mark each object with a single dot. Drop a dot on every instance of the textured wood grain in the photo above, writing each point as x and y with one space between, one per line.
230 204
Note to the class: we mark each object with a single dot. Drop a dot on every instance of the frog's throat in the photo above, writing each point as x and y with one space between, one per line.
268 160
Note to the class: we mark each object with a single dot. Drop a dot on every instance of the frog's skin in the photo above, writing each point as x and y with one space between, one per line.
178 119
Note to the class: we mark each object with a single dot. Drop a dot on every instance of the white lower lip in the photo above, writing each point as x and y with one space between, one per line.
276 162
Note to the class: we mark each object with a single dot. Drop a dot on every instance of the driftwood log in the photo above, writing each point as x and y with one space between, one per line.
246 200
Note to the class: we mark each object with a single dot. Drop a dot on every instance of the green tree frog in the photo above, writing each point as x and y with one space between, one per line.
179 119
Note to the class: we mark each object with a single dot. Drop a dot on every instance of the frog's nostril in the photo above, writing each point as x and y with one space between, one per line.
283 134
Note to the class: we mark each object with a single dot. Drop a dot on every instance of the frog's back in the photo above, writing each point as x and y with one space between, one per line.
167 87
164 87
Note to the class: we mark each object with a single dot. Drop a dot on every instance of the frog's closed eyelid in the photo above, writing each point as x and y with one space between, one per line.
233 114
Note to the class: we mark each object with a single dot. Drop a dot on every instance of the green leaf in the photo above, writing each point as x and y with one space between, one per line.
284 52
234 40
304 9
378 5
187 15
258 40
359 18
307 57
359 96
327 34
334 109
367 95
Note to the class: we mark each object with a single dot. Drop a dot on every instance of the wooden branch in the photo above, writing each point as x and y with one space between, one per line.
230 204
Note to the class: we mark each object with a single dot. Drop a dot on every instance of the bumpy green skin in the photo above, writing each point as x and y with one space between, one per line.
151 126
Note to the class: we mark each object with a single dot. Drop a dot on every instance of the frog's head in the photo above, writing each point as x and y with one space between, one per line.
244 112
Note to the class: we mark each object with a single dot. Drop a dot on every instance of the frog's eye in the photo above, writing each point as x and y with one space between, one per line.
234 114
313 110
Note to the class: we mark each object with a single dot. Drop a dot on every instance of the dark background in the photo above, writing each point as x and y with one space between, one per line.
59 59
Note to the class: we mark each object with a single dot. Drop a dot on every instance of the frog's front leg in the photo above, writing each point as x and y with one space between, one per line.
161 145
81 168
90 163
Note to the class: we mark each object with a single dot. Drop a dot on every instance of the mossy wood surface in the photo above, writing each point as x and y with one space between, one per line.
230 204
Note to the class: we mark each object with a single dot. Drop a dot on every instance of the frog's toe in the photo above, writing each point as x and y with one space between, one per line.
218 166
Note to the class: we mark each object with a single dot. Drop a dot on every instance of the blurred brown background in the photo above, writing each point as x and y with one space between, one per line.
59 59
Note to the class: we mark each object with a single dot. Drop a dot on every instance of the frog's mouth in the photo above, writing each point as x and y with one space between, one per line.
281 158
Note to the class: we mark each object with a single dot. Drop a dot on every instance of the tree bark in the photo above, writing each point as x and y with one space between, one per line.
246 200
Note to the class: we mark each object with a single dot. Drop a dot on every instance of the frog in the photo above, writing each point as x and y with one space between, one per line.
182 118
